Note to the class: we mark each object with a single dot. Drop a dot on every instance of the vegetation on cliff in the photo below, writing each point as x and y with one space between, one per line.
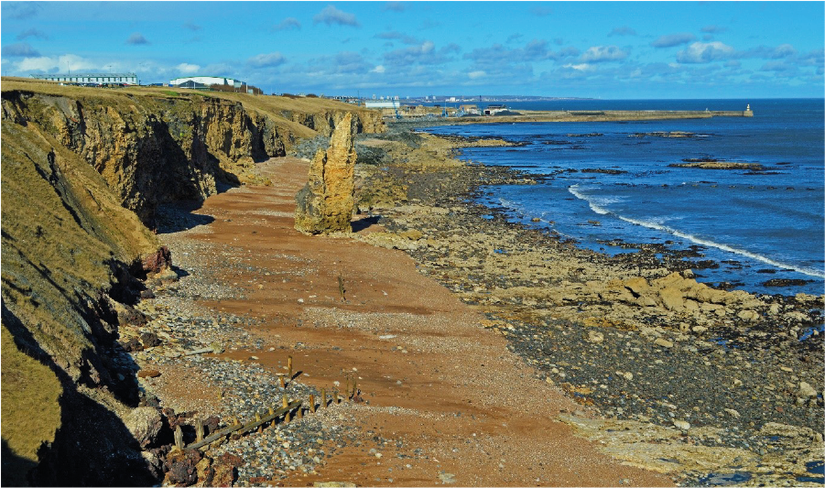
83 171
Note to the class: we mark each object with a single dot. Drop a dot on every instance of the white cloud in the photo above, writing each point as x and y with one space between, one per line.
378 69
598 54
67 62
474 75
705 52
187 68
583 67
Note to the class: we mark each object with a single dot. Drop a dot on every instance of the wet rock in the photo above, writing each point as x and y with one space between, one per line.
327 201
145 423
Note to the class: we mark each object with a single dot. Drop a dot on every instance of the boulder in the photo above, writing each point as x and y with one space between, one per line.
182 465
145 424
327 201
158 261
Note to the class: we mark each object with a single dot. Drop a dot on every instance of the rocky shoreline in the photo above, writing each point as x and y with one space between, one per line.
706 386
632 335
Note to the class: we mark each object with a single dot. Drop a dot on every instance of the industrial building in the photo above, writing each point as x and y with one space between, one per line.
204 82
91 78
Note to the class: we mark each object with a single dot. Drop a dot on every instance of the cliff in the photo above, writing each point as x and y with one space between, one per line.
83 171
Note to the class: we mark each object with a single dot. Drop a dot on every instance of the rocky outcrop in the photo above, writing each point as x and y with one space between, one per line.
327 201
83 171
156 149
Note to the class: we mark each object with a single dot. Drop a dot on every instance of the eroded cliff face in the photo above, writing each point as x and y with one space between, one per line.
83 171
157 149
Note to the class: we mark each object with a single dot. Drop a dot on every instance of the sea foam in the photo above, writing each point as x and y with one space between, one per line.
597 207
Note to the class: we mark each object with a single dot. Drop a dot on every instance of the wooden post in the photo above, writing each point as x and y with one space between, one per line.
289 366
287 417
283 382
237 422
312 403
300 412
178 437
354 389
347 390
198 430
337 398
285 401
271 411
323 397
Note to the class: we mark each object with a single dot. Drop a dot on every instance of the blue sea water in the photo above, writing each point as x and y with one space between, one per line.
758 225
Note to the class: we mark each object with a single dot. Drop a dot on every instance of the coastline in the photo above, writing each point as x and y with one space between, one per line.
581 350
744 362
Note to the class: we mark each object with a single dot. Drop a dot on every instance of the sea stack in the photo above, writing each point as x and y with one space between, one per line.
325 204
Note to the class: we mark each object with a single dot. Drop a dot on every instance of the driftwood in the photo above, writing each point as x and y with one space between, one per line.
238 426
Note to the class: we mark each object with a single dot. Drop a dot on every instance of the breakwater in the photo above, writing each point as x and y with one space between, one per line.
596 116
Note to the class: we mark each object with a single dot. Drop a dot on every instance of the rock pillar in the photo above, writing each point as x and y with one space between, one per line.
325 204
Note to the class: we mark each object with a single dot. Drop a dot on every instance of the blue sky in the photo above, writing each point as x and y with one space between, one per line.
580 49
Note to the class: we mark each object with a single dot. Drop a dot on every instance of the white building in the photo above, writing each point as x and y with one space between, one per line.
91 78
382 104
205 82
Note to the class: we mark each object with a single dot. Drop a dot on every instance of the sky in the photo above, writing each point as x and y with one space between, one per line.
608 50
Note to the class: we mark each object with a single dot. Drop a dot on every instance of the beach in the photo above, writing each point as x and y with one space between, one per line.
486 353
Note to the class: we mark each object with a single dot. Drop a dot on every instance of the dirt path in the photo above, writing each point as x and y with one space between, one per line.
457 406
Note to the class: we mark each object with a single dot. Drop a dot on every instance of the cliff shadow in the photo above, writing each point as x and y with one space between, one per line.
180 216
365 223
92 446
15 468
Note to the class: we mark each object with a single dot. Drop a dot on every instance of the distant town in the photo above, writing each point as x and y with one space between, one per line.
392 106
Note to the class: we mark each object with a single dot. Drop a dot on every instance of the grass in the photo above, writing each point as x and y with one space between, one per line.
30 410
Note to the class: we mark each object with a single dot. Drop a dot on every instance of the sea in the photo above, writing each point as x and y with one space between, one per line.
614 182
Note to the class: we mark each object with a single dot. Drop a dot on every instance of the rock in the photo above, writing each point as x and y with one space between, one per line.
145 424
748 315
681 424
159 261
148 373
150 339
182 467
672 298
595 337
663 343
131 345
205 471
638 286
447 478
733 413
806 390
327 201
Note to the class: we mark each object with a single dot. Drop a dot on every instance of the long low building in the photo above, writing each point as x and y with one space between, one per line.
93 78
205 82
